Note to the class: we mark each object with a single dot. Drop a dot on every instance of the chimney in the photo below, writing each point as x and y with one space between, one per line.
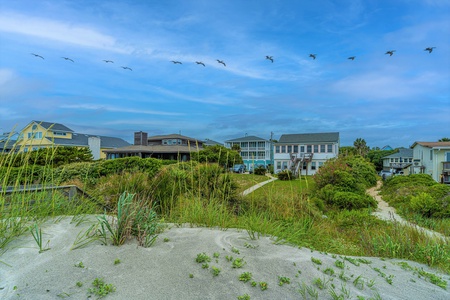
140 138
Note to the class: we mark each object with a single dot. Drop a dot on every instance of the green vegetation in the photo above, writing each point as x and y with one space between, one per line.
328 212
100 288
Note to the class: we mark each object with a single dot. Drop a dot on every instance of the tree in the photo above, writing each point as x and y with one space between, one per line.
236 147
361 147
445 139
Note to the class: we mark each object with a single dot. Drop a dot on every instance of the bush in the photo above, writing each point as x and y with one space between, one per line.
424 204
260 170
286 175
350 200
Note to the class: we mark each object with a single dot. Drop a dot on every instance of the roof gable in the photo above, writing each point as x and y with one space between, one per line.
401 153
171 136
326 137
250 138
431 144
51 126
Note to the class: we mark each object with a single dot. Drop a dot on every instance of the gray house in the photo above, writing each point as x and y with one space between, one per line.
399 162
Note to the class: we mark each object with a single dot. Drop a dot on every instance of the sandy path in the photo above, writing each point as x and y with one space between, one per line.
386 212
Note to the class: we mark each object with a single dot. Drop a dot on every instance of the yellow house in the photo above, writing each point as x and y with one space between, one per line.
39 134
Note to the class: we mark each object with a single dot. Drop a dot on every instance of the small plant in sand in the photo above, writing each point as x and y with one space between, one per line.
306 290
329 271
191 275
321 283
254 284
283 280
358 282
229 258
79 265
100 288
202 257
246 276
235 250
215 271
238 263
205 266
244 297
37 235
316 260
117 261
79 284
166 240
340 264
263 285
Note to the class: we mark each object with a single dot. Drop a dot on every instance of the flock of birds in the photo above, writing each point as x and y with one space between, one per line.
268 57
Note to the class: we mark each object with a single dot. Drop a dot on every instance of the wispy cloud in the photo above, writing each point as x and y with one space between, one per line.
112 108
64 32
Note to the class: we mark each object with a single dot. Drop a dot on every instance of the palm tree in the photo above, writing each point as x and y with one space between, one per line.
361 146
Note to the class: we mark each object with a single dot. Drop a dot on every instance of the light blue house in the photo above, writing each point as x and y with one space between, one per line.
255 151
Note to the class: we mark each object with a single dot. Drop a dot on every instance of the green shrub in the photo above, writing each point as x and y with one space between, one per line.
260 170
424 204
286 175
350 200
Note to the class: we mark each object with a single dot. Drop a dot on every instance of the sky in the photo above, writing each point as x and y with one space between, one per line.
386 100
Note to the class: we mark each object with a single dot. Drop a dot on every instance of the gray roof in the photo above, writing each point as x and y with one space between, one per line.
155 149
171 136
80 139
209 142
402 152
326 137
250 138
53 126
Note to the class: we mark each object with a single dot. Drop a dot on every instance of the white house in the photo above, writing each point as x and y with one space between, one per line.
432 158
305 153
399 161
255 151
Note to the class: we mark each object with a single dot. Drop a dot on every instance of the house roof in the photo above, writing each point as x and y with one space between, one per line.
250 138
326 137
402 152
79 139
171 136
432 144
209 142
154 149
53 126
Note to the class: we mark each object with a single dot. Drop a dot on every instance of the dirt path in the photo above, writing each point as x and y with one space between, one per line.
386 212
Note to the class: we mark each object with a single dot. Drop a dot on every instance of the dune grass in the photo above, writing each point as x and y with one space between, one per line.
202 195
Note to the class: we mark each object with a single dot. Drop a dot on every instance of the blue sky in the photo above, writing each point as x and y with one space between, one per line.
384 99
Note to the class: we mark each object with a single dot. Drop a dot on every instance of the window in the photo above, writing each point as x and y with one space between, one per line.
60 133
289 149
302 149
244 154
283 149
304 165
396 160
316 148
284 165
252 144
261 144
35 135
431 154
295 149
309 148
392 160
313 165
277 149
320 164
261 154
244 144
447 156
278 165
330 148
322 148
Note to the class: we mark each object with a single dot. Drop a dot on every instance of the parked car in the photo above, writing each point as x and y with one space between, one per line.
385 174
239 169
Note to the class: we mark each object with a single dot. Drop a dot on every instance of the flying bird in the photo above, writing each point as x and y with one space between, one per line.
313 56
66 58
269 58
352 57
429 49
200 63
390 52
127 68
221 62
176 62
37 55
108 61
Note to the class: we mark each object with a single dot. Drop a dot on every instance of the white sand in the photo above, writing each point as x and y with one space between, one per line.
162 271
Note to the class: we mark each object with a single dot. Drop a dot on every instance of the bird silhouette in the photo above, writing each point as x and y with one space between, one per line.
108 61
313 56
221 62
176 62
37 55
66 58
127 68
200 63
269 58
429 49
390 52
352 57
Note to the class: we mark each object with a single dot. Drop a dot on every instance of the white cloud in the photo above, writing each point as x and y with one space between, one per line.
59 31
120 109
